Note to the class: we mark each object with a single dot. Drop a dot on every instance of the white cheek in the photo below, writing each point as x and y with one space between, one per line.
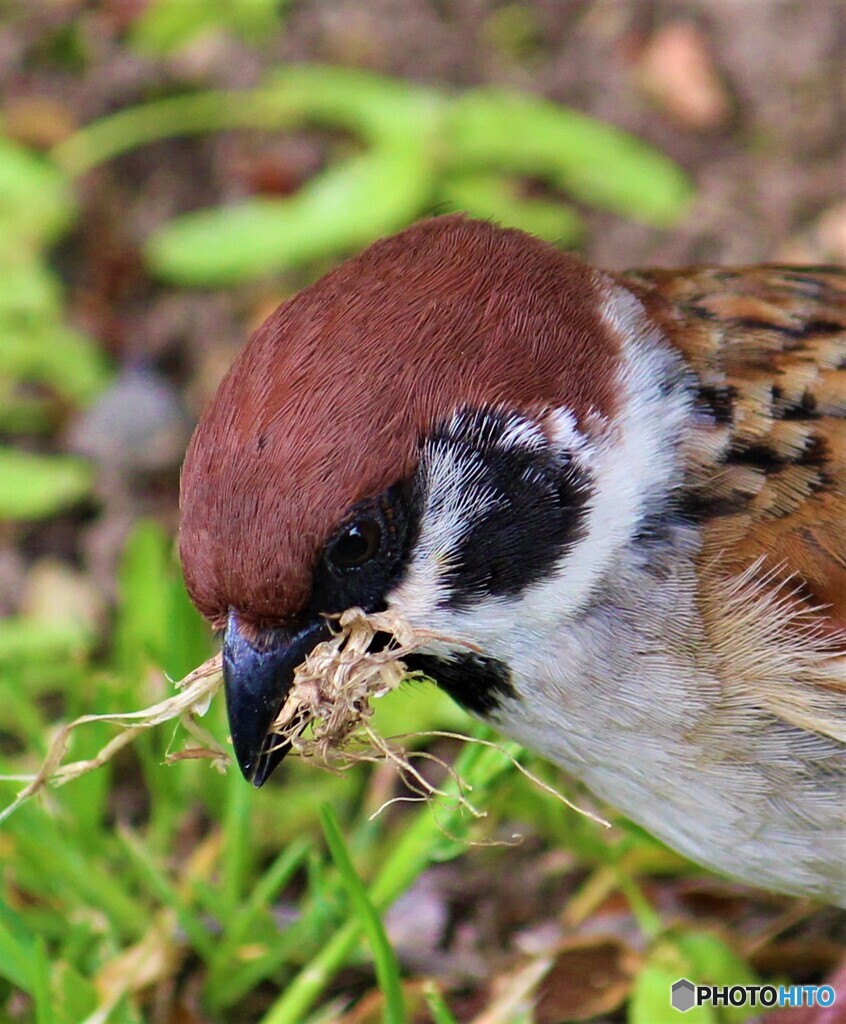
513 629
522 433
459 495
636 462
632 463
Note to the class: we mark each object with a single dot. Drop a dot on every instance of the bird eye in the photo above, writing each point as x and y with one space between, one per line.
359 542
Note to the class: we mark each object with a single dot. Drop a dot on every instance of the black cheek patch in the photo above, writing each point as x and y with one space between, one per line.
478 683
537 514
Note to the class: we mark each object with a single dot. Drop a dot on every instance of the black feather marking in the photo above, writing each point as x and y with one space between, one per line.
718 401
478 683
535 512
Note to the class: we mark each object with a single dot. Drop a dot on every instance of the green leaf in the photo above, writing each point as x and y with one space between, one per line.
594 162
345 207
650 1000
495 197
144 576
35 348
249 923
441 1013
702 958
36 204
165 26
52 865
714 962
188 641
156 882
28 639
45 1009
422 147
17 948
38 486
387 968
383 111
426 838
74 996
29 293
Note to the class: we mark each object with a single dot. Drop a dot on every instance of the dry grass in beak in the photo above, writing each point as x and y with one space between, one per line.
334 687
332 693
195 693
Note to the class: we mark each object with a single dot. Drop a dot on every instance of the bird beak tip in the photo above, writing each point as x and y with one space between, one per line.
257 679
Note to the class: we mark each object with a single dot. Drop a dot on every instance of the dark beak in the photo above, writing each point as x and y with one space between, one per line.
258 673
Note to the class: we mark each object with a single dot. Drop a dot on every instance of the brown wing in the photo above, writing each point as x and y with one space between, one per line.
768 474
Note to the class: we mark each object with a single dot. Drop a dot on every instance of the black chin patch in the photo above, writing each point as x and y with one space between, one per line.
477 683
530 499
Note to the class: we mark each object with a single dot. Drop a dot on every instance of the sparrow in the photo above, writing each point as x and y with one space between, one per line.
622 494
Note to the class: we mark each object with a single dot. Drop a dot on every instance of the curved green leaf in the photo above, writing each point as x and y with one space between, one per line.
346 207
381 110
23 638
495 197
53 354
419 142
165 26
384 958
594 162
37 486
36 204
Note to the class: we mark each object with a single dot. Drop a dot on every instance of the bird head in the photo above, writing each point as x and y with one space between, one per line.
417 431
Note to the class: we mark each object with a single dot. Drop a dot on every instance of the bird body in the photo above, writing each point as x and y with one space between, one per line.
623 496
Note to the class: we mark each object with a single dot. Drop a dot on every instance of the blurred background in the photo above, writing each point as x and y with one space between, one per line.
170 170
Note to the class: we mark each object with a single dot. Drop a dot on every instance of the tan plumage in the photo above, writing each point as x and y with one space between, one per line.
768 346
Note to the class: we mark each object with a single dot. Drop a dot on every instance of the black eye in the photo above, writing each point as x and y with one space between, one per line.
356 545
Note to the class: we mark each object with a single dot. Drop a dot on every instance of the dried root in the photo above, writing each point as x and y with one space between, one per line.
334 687
333 692
195 693
325 718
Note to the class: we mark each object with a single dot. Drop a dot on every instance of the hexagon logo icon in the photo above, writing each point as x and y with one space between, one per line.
682 995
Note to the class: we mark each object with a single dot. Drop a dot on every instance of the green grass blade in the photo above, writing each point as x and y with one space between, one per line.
237 854
202 941
264 892
385 962
427 838
16 950
226 982
45 1011
437 1006
31 640
51 864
